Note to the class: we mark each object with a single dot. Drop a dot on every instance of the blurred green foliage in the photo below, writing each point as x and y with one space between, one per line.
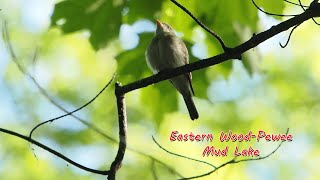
101 18
81 50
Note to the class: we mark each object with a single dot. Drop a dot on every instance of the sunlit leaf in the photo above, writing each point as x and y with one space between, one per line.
101 18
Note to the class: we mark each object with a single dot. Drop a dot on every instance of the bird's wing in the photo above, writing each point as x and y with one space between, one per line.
186 61
184 50
152 55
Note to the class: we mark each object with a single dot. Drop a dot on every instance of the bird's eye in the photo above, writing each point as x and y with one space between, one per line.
167 26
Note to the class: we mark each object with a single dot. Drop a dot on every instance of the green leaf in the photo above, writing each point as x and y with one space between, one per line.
137 10
101 18
223 20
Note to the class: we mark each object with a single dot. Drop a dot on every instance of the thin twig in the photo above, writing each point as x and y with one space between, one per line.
225 48
53 152
182 156
294 3
272 14
300 4
69 113
285 45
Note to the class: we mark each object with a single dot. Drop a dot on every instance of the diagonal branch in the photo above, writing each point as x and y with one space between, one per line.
224 47
54 152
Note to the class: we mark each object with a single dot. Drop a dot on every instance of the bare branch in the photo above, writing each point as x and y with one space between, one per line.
53 152
285 45
122 115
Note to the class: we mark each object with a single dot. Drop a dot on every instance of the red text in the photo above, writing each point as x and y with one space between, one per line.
274 137
247 152
234 137
175 136
211 150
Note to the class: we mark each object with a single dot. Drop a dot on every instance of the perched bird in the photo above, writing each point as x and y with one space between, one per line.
167 51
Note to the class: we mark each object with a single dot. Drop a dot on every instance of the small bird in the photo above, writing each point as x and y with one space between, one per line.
167 51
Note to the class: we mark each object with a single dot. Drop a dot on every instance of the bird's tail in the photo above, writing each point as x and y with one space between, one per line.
191 107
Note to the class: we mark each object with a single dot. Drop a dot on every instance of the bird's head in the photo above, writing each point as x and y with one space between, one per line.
163 27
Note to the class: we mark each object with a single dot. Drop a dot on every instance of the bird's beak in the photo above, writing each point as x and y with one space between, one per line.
159 24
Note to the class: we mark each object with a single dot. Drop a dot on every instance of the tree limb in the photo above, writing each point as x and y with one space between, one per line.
122 115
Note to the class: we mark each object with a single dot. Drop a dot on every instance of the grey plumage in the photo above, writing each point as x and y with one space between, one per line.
167 51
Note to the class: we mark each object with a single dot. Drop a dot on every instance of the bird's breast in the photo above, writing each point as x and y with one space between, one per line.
164 52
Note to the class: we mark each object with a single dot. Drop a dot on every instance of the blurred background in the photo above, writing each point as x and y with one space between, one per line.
73 47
